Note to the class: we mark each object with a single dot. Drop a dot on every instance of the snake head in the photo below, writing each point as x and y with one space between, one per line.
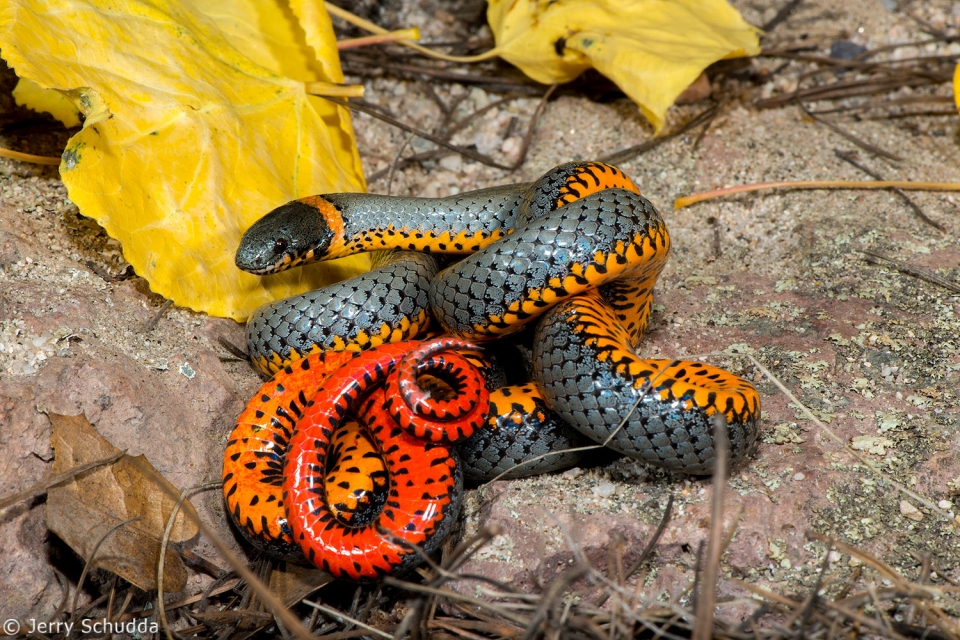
292 234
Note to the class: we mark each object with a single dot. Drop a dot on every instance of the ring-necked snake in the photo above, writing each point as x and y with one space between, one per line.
577 252
291 456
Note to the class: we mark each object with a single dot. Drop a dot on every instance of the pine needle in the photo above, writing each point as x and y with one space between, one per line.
393 36
357 21
906 185
28 157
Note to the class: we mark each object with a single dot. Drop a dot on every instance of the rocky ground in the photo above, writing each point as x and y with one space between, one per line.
872 351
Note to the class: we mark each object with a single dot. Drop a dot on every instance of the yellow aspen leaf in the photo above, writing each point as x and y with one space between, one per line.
196 123
30 94
956 86
652 49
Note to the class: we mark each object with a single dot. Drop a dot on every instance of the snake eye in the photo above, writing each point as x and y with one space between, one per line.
279 246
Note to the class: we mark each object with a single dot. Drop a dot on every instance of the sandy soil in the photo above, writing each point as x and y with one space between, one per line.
874 352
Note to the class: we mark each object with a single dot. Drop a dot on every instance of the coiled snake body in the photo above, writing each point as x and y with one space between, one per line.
577 252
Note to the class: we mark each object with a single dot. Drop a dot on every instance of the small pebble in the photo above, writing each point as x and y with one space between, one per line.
511 148
605 489
910 511
452 163
846 50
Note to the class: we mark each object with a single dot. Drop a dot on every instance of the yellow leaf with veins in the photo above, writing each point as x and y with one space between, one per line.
956 86
30 94
196 124
652 49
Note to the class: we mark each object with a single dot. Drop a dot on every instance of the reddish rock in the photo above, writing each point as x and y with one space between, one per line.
804 482
178 418
26 577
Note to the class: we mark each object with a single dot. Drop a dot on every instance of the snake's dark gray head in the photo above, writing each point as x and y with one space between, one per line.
293 234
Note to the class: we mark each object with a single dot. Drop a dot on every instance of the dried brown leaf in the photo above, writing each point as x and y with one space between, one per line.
293 583
83 509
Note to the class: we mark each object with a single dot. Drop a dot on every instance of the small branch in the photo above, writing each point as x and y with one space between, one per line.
375 113
906 185
41 487
28 157
332 89
869 86
151 324
923 274
631 152
647 550
234 350
782 15
400 34
357 21
863 144
707 597
848 157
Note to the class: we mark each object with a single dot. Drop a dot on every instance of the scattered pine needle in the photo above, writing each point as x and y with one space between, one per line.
824 429
393 36
333 90
357 21
42 486
906 185
28 157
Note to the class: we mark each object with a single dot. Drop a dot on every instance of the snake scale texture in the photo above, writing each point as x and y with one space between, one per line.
563 267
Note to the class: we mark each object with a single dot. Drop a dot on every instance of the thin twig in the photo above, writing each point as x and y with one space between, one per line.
850 89
336 614
112 595
782 15
385 38
195 560
42 486
234 350
379 115
171 519
844 447
152 323
849 158
863 144
396 159
364 64
814 595
707 598
943 575
887 104
694 198
707 123
647 550
916 272
65 587
717 237
28 157
89 562
632 152
369 26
